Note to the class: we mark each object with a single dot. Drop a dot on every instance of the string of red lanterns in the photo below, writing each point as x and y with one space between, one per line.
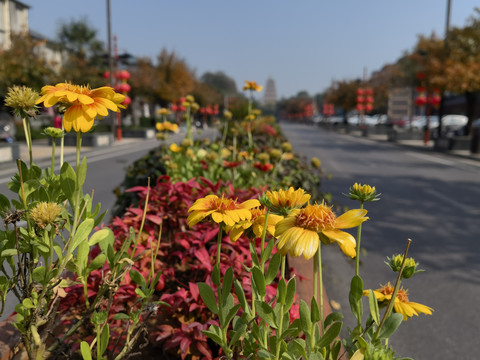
364 99
427 98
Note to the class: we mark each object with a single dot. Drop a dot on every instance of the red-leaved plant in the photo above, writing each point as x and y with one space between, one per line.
186 256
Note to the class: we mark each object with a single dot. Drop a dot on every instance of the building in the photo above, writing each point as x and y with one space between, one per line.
13 19
270 94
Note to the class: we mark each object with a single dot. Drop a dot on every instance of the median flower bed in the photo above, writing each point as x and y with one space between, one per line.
195 263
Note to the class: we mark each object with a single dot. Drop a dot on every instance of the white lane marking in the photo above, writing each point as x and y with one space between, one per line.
452 202
431 158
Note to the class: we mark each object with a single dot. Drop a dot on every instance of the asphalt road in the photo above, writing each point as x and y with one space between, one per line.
431 198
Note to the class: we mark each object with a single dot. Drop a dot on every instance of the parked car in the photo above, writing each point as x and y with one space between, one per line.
419 122
454 124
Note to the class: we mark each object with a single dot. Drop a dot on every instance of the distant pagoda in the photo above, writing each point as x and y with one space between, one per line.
270 94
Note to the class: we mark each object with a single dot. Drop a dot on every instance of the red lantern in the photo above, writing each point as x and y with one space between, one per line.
421 89
360 92
360 99
421 75
123 75
127 101
420 100
369 92
369 99
360 107
434 99
106 74
124 87
368 107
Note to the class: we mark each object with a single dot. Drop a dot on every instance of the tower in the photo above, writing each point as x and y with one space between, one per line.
270 94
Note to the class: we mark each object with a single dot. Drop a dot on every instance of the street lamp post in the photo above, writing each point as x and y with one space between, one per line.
428 98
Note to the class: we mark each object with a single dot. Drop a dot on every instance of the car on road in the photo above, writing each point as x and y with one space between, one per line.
454 124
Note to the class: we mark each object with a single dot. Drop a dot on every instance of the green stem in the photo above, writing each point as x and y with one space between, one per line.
62 145
28 137
320 284
391 303
262 246
359 236
53 155
219 244
77 185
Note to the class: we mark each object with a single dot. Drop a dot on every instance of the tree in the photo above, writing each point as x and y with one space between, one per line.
224 84
86 53
343 94
173 77
22 65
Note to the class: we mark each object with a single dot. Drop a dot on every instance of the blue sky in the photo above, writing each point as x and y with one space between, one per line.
301 44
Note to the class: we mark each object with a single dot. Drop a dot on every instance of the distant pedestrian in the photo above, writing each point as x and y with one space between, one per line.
57 121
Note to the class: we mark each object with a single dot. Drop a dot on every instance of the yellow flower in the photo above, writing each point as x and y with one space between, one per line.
363 193
163 111
286 146
255 224
227 114
190 99
283 201
45 213
402 304
316 163
252 85
175 148
275 153
302 230
83 104
226 211
287 156
159 126
226 153
187 143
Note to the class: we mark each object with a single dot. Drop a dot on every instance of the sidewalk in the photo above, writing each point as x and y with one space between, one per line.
418 145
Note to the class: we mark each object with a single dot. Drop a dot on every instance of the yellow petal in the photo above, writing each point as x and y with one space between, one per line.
351 219
85 99
345 241
250 204
218 218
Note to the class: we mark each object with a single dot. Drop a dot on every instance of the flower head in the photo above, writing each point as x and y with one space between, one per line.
254 227
302 230
175 148
281 202
395 263
53 132
316 162
83 104
163 112
265 167
23 101
227 114
363 193
402 304
286 146
222 210
45 213
252 86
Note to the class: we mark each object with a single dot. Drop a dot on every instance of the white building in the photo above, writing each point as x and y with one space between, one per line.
13 19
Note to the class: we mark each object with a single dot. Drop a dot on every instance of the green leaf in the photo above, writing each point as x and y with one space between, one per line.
297 347
85 350
104 338
264 354
258 281
138 278
82 172
103 237
233 311
273 268
28 303
268 251
237 333
208 297
4 202
253 253
97 263
140 293
30 186
121 316
334 316
227 284
330 335
373 304
315 356
83 230
281 291
315 311
216 275
390 326
305 320
355 296
214 333
67 180
290 297
241 296
9 252
266 313
38 274
82 256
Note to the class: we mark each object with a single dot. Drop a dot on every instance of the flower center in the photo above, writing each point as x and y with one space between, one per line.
316 218
222 204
